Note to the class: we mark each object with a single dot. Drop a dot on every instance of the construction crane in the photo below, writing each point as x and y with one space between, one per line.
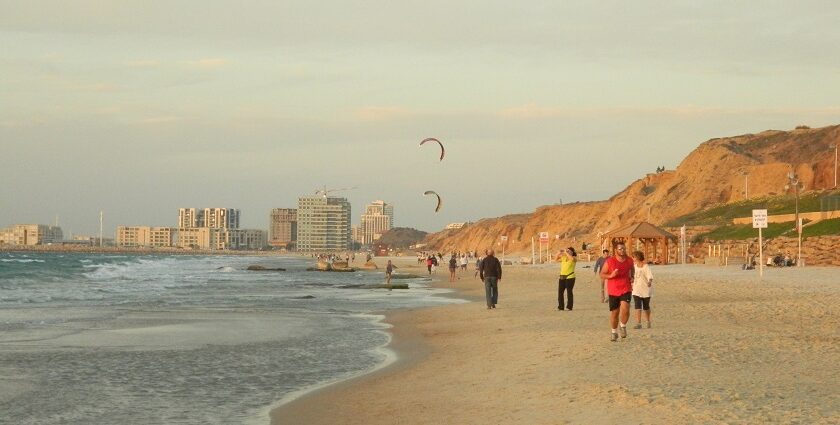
326 191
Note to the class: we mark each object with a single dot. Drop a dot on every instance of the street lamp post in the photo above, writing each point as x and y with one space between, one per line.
794 183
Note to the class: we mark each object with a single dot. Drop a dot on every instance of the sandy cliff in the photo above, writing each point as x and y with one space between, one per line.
711 174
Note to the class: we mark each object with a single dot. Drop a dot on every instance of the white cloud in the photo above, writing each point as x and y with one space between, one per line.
142 63
161 120
378 113
207 63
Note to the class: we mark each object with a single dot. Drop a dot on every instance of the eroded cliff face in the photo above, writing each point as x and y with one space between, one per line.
714 173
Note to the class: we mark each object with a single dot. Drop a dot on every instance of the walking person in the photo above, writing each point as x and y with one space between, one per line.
477 265
389 270
453 267
491 274
599 263
642 288
429 264
566 282
618 271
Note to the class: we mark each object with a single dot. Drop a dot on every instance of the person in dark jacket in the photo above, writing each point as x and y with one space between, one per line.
491 274
599 264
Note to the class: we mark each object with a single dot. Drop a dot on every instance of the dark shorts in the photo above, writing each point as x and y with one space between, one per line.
641 303
615 301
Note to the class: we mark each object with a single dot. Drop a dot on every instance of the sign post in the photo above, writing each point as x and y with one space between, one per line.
760 222
543 240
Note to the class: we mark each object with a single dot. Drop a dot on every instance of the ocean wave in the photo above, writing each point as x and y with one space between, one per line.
21 260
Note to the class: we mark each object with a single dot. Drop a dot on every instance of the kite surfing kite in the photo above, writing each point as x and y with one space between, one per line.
431 192
432 139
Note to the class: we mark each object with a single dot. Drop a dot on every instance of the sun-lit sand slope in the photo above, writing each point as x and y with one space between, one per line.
724 348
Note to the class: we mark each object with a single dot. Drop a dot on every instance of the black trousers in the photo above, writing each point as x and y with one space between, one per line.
565 285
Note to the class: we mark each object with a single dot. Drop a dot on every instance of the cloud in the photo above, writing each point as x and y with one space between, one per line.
161 120
207 63
537 112
379 113
142 63
94 87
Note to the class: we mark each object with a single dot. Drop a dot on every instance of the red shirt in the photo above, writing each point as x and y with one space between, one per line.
620 284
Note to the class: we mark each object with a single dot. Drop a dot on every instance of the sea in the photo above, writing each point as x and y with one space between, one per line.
184 339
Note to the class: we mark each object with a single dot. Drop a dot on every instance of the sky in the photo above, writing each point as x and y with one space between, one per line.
138 108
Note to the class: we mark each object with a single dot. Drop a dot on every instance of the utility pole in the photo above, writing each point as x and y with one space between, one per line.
835 165
793 183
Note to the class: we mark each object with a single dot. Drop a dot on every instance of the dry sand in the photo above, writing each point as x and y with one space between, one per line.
725 347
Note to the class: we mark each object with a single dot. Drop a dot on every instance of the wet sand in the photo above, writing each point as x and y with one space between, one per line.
725 347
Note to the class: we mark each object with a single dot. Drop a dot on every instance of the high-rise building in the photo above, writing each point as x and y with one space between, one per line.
189 218
377 219
323 224
221 218
282 227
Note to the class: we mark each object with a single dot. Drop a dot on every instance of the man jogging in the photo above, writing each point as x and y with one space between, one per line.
618 272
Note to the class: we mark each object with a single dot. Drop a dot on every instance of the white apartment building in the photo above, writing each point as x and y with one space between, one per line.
323 224
282 227
145 237
30 234
455 225
377 219
190 217
221 218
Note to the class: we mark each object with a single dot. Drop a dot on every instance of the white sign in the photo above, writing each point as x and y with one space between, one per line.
504 238
759 219
543 236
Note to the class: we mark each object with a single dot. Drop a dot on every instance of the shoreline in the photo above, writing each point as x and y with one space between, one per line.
406 343
726 346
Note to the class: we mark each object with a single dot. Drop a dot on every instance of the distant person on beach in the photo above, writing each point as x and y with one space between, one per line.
453 267
642 288
491 274
389 270
566 282
429 263
463 262
618 271
599 264
477 265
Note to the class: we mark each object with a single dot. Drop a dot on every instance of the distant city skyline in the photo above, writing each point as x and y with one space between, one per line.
140 108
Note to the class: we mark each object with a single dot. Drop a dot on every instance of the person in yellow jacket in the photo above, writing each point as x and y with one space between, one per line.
566 282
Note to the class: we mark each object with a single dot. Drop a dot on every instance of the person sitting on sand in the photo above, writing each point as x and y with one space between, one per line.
642 289
618 271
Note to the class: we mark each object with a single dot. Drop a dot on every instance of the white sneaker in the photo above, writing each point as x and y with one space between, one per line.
623 331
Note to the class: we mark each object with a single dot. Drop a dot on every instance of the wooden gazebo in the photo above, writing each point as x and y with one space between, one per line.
645 237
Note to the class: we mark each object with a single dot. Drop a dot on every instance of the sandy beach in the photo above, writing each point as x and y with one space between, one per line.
725 347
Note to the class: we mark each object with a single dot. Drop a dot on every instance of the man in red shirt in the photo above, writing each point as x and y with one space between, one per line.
618 272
